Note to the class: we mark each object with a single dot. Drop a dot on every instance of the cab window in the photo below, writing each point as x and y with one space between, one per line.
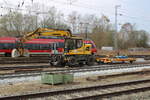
79 43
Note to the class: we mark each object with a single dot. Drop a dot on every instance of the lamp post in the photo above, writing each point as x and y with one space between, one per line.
116 27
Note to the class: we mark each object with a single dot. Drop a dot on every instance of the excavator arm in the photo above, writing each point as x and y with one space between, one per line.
46 32
20 51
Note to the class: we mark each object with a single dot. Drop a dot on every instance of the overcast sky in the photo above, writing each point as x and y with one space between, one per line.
134 11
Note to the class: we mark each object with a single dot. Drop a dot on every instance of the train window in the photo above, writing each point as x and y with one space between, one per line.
61 45
31 46
27 46
7 45
57 45
45 46
41 46
1 46
37 46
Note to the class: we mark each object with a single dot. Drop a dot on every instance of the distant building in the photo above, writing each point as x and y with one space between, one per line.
107 48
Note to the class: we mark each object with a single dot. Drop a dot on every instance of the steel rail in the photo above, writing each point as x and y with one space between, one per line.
108 95
70 70
76 90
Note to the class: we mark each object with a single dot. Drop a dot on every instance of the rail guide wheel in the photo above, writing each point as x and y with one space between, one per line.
15 53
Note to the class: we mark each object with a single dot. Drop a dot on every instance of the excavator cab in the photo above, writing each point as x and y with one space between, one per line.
72 44
76 52
76 46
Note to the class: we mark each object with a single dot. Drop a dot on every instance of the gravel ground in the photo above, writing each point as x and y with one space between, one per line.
37 86
137 96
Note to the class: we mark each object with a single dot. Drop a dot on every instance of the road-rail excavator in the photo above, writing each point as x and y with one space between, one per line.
75 51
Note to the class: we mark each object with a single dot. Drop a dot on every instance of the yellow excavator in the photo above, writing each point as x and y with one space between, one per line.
75 51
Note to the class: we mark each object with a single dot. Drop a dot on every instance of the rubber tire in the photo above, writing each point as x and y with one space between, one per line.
90 61
72 62
57 61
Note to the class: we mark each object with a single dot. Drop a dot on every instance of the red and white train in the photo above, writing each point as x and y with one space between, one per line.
7 44
36 46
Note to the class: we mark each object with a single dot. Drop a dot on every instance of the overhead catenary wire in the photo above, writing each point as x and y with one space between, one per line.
140 14
105 12
41 12
81 5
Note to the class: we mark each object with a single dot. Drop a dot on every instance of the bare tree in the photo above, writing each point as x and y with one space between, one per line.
16 24
54 19
131 37
102 32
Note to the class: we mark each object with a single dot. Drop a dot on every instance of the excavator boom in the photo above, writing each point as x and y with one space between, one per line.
46 32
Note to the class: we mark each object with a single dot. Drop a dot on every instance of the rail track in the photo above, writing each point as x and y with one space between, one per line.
35 69
36 75
23 60
29 60
5 68
40 66
88 93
